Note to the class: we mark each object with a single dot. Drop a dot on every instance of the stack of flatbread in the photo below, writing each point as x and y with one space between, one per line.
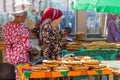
71 46
64 42
90 46
104 44
80 36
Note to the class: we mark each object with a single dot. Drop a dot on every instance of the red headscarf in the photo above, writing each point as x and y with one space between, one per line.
51 14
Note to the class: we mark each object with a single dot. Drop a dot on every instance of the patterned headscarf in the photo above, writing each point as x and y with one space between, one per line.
50 14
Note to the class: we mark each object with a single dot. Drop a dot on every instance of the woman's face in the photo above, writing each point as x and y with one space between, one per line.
23 17
57 21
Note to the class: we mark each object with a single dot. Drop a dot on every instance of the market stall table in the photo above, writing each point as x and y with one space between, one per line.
100 54
25 72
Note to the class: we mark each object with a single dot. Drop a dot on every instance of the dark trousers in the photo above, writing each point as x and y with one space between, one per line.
7 71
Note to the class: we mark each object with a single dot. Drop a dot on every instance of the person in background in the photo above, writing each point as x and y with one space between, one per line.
118 22
67 35
113 32
16 37
36 29
50 35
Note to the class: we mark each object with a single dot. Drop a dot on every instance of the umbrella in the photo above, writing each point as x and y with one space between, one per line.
109 6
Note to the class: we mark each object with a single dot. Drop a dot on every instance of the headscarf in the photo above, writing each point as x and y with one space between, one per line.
52 14
49 15
20 13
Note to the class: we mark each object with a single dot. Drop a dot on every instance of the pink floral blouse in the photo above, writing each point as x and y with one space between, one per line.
17 40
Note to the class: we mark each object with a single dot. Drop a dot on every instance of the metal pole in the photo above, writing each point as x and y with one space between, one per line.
40 5
50 3
67 21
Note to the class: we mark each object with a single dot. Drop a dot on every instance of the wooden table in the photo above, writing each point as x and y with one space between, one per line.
25 72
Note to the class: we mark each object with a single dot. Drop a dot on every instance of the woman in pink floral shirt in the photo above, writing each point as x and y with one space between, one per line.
16 37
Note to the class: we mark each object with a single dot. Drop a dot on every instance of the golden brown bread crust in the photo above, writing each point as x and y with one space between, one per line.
102 65
83 58
40 66
72 49
61 68
72 62
73 46
92 65
80 67
47 70
91 62
51 62
96 66
87 58
73 43
52 65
